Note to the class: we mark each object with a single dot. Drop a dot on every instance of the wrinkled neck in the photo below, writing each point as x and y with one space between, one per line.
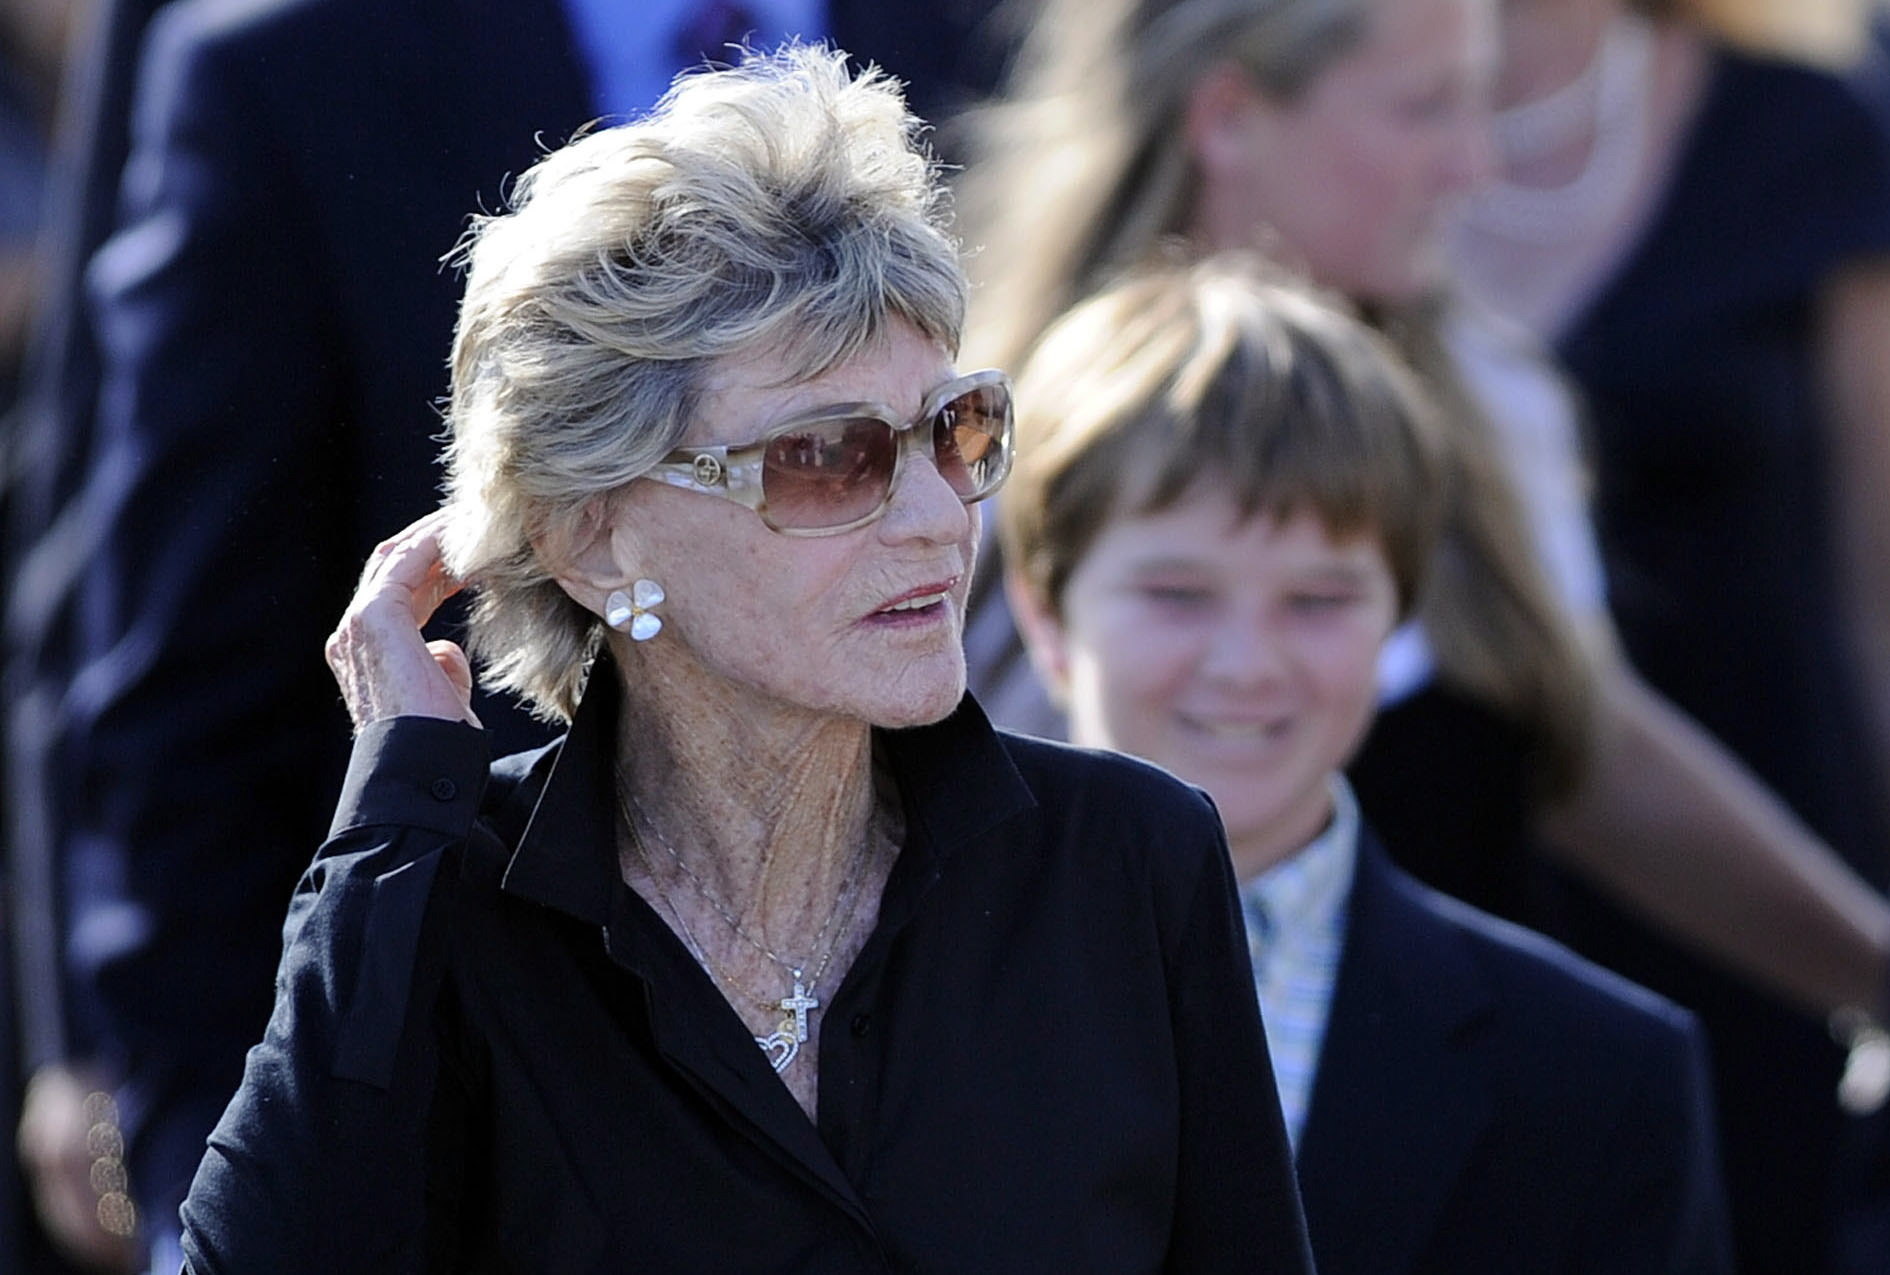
767 803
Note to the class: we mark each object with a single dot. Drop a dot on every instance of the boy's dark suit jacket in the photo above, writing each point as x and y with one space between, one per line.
1487 1101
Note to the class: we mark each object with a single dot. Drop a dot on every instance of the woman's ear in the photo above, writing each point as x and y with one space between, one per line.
1043 635
585 557
1218 120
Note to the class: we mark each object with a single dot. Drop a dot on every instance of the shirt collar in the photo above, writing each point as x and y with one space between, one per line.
1307 888
955 778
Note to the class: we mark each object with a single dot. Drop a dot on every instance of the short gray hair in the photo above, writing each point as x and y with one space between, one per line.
783 205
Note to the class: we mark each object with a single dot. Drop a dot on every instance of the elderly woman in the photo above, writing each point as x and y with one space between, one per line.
780 959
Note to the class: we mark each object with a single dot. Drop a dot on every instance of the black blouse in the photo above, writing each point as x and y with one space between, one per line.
488 1054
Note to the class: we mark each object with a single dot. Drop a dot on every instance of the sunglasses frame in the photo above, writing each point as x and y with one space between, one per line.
733 471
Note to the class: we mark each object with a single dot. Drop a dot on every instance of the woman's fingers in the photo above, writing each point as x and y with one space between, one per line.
409 567
382 662
452 661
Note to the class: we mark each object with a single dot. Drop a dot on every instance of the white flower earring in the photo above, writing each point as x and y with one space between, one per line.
635 610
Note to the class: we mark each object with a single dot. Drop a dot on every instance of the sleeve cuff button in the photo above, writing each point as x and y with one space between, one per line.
443 789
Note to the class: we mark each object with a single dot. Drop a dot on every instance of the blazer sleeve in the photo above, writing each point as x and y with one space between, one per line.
200 747
347 1144
1230 1111
1661 1208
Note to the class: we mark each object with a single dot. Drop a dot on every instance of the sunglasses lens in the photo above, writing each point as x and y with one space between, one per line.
834 473
829 474
971 436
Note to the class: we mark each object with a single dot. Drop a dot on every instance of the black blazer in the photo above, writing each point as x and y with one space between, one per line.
274 323
1488 1101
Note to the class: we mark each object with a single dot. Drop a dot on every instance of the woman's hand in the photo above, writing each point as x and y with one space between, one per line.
385 667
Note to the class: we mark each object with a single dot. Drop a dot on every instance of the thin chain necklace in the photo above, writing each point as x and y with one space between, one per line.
783 1044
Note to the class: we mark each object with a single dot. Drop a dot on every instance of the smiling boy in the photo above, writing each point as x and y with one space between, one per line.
1225 495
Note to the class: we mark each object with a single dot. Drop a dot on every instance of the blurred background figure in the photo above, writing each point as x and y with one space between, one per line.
243 404
48 102
34 36
1701 230
1344 137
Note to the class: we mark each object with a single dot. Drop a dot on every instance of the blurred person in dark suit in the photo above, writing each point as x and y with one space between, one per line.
81 53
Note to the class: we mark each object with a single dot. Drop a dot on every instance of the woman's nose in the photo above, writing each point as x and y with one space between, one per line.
924 506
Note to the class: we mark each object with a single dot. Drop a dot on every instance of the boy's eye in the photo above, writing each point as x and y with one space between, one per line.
1176 595
1320 602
